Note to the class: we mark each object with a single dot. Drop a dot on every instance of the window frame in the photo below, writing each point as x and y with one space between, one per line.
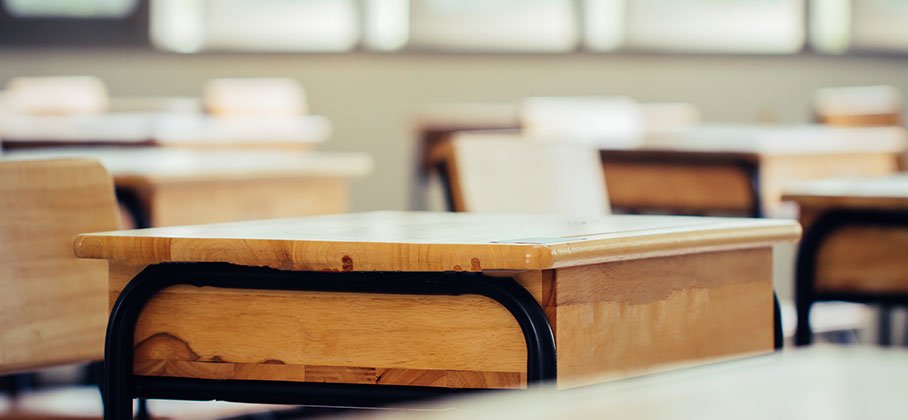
130 30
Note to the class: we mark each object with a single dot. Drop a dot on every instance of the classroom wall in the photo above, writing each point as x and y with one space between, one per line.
370 97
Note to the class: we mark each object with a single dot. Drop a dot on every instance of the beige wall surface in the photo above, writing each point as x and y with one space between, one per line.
370 97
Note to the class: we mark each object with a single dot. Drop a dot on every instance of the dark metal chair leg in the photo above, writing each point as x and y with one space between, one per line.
142 412
120 386
884 336
778 335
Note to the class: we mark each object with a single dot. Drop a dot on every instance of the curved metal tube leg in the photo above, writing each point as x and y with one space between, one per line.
120 388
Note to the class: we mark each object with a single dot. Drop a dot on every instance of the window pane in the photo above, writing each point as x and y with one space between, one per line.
494 25
830 25
880 25
603 22
70 8
747 26
255 25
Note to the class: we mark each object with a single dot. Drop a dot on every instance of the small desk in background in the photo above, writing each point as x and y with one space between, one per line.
377 307
167 187
174 130
733 170
741 170
856 234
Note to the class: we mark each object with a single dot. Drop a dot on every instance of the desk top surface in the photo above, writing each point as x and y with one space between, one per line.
166 164
772 140
168 129
413 241
815 383
881 192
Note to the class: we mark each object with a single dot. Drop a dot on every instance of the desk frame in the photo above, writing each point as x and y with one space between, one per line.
121 385
827 223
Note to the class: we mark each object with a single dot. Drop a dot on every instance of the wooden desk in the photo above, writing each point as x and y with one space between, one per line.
736 169
856 231
810 384
427 301
166 187
742 169
179 130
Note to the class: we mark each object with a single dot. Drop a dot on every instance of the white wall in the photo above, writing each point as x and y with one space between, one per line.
370 97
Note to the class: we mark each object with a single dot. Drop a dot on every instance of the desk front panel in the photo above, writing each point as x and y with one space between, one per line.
614 319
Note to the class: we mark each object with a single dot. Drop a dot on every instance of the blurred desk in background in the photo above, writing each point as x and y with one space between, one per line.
741 169
736 170
856 234
166 187
819 383
185 130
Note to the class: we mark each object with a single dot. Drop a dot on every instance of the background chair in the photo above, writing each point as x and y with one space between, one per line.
53 307
501 173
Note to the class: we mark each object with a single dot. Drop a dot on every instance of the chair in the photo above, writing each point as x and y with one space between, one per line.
53 306
503 172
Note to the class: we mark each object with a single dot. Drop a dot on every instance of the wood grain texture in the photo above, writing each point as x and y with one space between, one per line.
52 305
609 319
630 316
411 241
328 337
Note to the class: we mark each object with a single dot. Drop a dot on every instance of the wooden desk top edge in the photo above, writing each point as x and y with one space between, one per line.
315 255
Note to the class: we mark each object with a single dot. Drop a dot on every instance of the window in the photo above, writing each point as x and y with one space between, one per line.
255 25
73 22
746 26
71 8
880 25
494 25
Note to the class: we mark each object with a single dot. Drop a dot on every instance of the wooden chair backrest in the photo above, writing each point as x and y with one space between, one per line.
508 173
53 306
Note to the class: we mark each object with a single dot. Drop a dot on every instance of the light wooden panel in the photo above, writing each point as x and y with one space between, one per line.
864 259
502 173
52 305
328 337
412 241
609 319
678 187
226 201
624 317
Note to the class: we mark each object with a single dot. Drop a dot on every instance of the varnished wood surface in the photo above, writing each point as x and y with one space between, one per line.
626 317
852 383
617 318
433 241
52 305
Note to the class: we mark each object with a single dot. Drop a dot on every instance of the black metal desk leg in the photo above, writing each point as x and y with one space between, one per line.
778 337
884 337
121 386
